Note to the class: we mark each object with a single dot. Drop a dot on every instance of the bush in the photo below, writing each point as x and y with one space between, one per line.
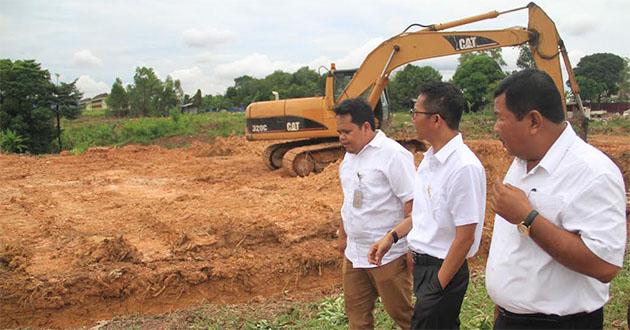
12 142
175 113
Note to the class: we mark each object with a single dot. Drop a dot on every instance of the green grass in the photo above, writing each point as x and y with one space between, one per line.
612 126
94 128
92 131
473 125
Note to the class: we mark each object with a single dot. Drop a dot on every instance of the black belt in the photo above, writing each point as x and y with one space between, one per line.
422 259
544 317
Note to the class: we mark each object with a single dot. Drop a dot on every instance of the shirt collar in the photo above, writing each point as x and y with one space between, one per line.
556 152
376 142
378 139
450 147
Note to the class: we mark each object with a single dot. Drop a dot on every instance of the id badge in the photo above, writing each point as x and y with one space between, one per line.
357 199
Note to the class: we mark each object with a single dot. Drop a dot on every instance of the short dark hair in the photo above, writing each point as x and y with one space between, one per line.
359 111
531 89
446 100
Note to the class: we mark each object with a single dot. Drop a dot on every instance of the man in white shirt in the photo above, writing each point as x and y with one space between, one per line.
377 179
448 210
560 229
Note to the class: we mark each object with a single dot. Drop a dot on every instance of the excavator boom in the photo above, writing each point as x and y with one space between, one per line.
309 122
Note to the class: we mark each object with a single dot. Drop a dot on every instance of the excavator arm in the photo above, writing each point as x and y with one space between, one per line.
373 75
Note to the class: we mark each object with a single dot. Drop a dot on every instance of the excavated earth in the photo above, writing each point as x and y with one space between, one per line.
146 230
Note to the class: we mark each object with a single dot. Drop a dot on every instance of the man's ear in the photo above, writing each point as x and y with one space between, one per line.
536 121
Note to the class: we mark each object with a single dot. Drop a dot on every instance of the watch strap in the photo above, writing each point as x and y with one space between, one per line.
394 235
529 219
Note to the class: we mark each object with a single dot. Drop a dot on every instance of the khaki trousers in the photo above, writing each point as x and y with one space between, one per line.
362 286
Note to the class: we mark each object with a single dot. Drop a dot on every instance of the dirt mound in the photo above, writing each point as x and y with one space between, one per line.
224 147
111 250
145 229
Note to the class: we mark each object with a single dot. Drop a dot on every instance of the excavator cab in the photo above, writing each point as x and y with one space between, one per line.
341 79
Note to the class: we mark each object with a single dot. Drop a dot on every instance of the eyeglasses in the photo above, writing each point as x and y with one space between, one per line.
413 112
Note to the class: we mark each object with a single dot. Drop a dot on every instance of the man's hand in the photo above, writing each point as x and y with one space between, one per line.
342 240
378 249
510 202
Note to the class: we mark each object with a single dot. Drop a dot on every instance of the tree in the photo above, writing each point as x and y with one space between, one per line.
624 86
590 90
406 84
144 95
305 82
525 59
196 100
67 96
118 100
25 95
495 53
246 89
65 102
478 76
168 97
604 68
179 92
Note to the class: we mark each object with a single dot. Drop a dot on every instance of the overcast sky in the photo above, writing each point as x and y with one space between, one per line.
206 44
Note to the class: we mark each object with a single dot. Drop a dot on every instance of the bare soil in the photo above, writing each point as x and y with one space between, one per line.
147 230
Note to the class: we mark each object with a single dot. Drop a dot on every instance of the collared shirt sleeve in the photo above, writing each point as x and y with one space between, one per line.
401 175
597 214
467 195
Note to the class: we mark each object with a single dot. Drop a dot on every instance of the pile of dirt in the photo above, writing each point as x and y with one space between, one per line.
145 229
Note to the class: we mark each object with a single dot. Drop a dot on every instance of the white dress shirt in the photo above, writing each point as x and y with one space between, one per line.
450 191
579 189
383 172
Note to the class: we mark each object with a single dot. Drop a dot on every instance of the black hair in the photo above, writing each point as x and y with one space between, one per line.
446 100
531 89
359 111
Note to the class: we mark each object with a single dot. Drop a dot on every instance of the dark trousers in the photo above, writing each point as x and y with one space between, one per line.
436 308
509 320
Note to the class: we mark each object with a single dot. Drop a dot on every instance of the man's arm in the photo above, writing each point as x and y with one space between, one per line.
464 239
380 248
342 239
565 247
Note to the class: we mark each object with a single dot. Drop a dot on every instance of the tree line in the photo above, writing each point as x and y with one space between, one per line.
31 105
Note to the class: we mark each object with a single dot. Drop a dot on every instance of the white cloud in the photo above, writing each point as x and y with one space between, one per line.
91 87
578 26
355 57
351 60
194 78
85 57
206 37
255 65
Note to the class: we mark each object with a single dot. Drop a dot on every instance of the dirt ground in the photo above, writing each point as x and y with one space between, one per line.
146 230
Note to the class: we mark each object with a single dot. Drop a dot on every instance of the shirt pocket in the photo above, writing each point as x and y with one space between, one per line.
437 198
372 181
548 206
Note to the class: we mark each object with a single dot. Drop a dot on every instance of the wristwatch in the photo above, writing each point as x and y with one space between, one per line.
523 227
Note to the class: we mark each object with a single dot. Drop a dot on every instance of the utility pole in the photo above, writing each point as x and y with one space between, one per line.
57 113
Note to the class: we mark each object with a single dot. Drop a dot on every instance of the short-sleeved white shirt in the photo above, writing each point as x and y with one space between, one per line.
450 191
384 172
579 189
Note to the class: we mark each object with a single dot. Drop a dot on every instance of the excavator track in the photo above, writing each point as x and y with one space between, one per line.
304 160
314 158
273 154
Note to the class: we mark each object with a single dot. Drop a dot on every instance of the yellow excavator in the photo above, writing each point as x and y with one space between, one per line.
310 125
